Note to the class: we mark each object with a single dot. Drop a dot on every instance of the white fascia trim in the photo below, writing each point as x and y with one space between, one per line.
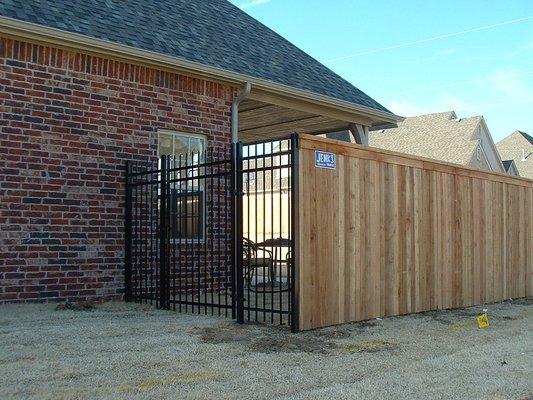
35 31
488 136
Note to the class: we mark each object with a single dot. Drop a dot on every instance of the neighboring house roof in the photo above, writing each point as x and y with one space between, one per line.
441 136
210 32
518 146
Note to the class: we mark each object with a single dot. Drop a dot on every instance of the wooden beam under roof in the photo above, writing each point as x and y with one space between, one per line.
311 125
269 116
250 105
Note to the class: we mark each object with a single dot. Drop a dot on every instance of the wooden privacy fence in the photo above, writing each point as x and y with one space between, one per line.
387 234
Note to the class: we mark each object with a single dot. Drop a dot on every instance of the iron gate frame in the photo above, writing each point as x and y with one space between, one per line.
165 168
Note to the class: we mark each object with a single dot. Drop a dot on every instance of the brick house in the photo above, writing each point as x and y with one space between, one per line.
86 85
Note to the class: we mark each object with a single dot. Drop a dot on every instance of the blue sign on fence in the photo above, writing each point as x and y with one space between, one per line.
325 160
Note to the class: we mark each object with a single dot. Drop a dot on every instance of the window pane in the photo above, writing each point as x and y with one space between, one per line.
197 148
181 146
188 215
165 144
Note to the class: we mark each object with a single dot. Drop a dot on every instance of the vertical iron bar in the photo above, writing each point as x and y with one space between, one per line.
190 232
172 230
264 294
136 237
198 237
147 289
209 230
256 196
153 263
282 168
163 234
168 242
127 235
291 238
238 275
202 214
222 225
228 219
274 251
248 223
177 221
294 190
184 232
143 283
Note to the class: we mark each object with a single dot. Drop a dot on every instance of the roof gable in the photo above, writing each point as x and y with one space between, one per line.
210 32
518 146
526 136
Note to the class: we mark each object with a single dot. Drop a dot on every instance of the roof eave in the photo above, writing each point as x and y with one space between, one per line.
28 30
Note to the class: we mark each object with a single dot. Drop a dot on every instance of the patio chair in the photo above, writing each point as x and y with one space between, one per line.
257 262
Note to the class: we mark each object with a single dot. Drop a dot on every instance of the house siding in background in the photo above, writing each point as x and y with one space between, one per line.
69 121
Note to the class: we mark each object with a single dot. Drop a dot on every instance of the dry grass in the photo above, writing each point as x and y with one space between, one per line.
125 351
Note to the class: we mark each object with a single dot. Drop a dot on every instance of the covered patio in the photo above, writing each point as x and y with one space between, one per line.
267 116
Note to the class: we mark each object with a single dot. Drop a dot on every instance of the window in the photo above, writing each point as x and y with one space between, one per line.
187 203
189 146
187 211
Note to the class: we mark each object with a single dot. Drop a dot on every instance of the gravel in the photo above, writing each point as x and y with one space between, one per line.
131 351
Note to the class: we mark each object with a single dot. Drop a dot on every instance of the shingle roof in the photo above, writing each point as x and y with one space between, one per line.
210 32
440 136
518 146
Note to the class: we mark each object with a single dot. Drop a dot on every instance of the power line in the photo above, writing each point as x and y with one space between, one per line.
430 39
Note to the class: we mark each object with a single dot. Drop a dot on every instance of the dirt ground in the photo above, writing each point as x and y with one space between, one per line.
129 351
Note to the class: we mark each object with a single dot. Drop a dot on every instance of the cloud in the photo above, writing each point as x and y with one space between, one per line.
444 102
434 88
253 3
429 39
505 87
446 52
405 108
438 55
519 51
448 101
508 82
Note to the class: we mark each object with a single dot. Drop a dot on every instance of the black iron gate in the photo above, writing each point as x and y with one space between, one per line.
213 233
266 228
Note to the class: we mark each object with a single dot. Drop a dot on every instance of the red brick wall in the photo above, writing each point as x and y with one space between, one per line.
68 122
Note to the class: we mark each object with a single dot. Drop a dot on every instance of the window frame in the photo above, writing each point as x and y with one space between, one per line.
175 191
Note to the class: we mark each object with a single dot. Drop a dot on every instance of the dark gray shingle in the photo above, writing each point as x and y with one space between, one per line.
211 32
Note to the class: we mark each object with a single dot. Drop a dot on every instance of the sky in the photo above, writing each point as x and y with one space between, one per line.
416 57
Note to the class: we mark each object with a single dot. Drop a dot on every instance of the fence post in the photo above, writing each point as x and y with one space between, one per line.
127 235
237 273
295 227
163 236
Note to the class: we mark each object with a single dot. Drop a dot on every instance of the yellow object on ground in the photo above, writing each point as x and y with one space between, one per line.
483 320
